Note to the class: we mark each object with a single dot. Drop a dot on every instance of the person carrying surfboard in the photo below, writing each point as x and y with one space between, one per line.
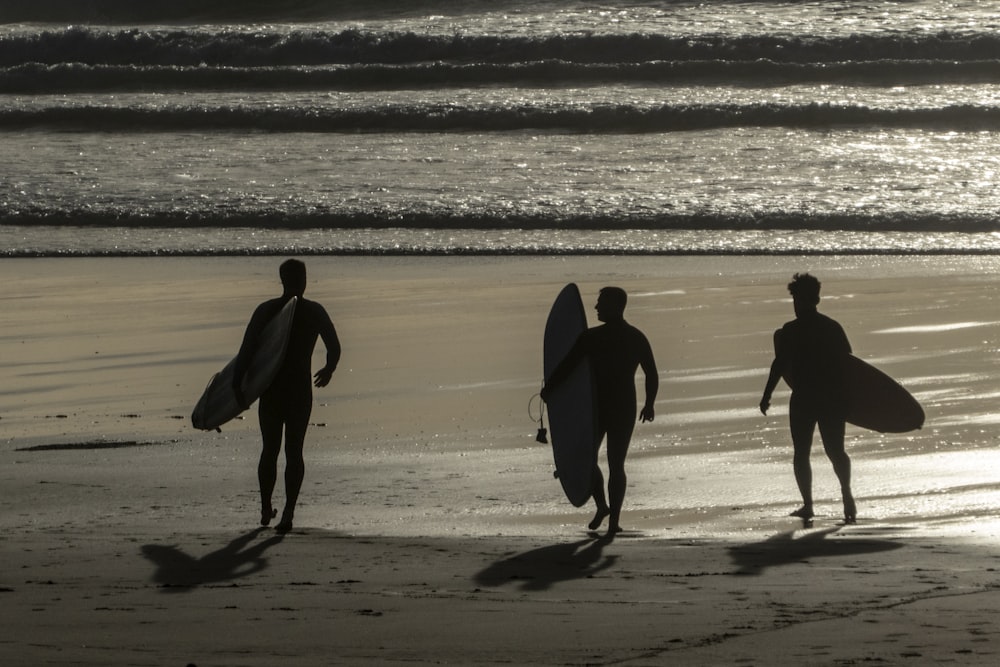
811 351
616 350
285 406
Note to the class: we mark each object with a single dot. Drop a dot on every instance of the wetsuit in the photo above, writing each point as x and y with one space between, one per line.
285 406
811 350
615 350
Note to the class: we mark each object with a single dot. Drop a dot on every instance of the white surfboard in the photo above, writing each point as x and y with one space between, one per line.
218 404
572 406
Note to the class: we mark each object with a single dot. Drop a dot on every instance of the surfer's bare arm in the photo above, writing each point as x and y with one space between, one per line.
648 364
557 377
564 367
845 344
329 335
323 376
772 382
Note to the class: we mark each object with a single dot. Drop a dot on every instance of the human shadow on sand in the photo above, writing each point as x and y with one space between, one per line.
786 549
177 571
543 568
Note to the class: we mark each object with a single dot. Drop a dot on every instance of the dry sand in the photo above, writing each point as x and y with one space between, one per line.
430 529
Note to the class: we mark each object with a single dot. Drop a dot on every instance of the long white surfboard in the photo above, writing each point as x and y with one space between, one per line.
218 404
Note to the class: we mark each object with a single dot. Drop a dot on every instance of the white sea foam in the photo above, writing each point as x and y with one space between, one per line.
935 328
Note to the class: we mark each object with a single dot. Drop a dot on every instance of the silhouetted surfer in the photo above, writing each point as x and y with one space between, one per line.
616 350
286 405
811 350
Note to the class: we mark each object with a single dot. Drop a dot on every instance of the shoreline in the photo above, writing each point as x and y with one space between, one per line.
416 394
260 239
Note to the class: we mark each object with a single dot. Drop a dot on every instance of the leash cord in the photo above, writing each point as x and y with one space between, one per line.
542 433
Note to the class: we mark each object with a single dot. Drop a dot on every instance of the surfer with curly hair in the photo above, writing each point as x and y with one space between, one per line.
616 350
285 406
811 350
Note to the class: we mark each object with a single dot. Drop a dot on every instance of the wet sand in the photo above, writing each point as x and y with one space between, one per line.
430 529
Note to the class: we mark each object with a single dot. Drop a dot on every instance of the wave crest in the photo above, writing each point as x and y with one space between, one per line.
452 118
184 47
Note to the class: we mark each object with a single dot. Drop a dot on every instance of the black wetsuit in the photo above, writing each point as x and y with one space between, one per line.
286 405
811 350
615 350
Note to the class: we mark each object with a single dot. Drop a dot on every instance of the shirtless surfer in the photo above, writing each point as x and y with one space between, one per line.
616 349
286 405
811 351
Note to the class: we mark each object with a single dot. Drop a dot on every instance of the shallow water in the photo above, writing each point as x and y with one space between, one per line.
729 127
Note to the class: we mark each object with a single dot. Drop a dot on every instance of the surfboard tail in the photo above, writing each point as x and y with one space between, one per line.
198 414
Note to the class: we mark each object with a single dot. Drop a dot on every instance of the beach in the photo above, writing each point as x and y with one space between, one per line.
430 529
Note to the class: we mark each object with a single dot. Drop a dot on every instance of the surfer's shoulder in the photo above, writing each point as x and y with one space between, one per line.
271 303
310 305
313 310
828 319
790 327
268 309
633 331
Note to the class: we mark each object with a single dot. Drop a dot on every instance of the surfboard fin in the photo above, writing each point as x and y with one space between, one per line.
542 435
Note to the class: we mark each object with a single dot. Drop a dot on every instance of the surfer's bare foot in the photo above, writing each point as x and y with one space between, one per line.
285 524
805 512
612 531
266 515
850 510
602 513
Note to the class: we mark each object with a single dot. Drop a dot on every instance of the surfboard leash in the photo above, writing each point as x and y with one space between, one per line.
542 435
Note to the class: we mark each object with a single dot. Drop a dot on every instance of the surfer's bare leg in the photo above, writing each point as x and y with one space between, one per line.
599 516
295 468
267 467
850 508
832 432
294 474
802 426
600 500
618 442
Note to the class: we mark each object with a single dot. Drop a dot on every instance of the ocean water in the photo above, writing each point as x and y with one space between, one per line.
494 126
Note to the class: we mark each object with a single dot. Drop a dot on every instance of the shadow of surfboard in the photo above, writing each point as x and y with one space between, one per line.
543 568
787 549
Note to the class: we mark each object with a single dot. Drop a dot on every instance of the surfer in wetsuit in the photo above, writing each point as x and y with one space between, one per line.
285 406
616 349
811 350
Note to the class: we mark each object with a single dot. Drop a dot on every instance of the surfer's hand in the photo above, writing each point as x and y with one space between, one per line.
323 376
765 403
647 413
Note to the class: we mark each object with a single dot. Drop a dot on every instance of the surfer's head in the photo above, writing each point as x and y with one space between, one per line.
611 304
805 293
293 277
